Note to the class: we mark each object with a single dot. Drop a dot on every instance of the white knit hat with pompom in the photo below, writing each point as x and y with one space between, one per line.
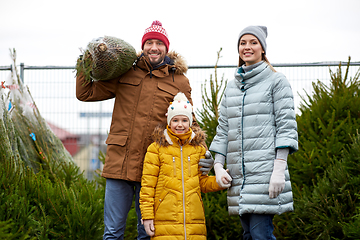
180 106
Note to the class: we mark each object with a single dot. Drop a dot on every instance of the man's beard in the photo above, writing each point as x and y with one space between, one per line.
156 62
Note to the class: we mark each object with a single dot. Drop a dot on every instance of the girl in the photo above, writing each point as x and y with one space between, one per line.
170 196
256 132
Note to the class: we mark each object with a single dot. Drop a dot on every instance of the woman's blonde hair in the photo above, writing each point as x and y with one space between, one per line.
264 58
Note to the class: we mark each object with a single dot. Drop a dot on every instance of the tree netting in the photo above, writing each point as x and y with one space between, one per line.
25 135
106 58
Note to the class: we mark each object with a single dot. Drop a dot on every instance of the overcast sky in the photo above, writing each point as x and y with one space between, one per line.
46 32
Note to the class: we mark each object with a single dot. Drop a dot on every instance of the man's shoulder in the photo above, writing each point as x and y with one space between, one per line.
179 62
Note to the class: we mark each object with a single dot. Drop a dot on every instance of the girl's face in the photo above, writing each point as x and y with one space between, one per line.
180 124
250 49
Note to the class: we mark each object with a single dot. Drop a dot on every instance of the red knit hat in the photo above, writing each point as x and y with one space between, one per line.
156 31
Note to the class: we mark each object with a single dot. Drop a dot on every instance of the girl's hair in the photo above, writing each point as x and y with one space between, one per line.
264 58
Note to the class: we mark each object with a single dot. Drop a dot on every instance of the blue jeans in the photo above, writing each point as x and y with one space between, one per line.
257 226
119 195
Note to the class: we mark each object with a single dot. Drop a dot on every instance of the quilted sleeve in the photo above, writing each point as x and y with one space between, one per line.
220 141
285 117
148 181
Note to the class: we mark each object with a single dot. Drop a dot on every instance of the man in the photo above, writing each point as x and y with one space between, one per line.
142 96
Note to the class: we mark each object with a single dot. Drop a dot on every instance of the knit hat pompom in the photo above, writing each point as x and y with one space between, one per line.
180 106
156 22
155 31
260 32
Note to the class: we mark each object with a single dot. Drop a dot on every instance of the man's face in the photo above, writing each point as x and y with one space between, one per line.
155 50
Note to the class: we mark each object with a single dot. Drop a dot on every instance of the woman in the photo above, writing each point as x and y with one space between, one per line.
256 132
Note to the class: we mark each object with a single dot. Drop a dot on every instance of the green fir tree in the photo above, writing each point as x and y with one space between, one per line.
211 97
325 171
329 118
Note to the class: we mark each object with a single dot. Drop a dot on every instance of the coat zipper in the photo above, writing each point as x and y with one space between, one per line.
242 140
183 188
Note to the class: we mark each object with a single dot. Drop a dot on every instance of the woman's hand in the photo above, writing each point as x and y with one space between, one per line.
277 180
223 178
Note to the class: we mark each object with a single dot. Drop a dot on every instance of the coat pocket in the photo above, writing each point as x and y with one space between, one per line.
168 88
196 207
166 206
116 139
135 81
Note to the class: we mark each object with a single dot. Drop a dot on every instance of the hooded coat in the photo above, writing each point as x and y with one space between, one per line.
172 184
142 96
257 116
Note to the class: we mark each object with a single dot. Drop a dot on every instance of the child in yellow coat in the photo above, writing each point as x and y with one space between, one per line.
170 196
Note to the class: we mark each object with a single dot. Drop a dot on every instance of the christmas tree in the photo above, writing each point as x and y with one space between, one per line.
25 135
43 195
106 58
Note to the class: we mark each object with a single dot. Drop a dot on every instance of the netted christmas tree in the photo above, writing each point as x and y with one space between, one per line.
43 194
25 135
106 58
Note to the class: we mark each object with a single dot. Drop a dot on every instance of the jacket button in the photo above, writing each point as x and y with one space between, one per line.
159 200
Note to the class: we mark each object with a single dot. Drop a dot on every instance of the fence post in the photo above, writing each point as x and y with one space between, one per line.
22 72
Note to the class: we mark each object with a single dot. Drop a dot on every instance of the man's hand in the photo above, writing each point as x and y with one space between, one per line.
207 163
277 180
223 178
149 226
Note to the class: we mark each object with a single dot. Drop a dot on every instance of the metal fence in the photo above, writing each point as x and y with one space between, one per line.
53 90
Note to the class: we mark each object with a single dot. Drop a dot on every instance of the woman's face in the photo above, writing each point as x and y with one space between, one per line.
250 49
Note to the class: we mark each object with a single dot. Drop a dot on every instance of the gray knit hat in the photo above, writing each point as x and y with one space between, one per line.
260 32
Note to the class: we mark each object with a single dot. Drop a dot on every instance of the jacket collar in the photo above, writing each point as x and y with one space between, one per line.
173 62
170 138
244 76
248 79
197 138
167 61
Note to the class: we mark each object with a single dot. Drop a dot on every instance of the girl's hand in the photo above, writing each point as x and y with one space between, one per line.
149 226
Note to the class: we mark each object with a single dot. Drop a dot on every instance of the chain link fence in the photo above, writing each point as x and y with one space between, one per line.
83 126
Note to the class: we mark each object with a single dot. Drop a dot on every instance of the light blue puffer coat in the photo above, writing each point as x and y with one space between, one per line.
257 116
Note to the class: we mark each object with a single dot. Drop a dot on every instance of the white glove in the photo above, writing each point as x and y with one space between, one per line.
149 226
277 180
223 178
207 163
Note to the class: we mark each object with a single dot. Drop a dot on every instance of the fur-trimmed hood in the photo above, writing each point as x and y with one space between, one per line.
177 61
197 139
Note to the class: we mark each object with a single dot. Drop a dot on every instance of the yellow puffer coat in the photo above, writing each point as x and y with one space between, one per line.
172 184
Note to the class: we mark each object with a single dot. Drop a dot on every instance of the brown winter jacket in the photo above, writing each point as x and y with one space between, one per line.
142 96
